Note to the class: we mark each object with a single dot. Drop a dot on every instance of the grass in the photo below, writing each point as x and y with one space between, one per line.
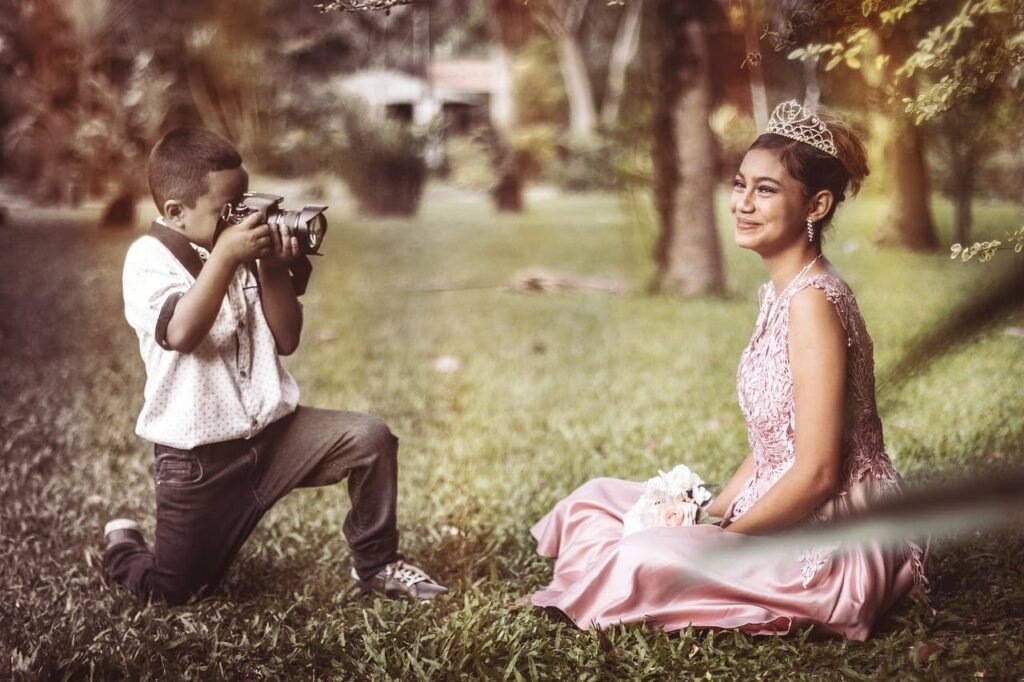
553 390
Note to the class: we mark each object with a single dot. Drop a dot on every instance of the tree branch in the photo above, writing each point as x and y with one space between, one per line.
360 5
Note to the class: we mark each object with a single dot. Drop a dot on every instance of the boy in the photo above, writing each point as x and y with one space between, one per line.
213 309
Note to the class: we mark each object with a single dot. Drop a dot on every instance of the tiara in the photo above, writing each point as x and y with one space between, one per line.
791 119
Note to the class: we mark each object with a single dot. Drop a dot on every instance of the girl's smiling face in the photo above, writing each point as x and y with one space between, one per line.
770 206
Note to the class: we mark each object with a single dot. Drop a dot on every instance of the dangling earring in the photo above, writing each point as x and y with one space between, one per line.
810 230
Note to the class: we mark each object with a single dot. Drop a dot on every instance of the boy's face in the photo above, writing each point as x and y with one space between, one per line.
199 223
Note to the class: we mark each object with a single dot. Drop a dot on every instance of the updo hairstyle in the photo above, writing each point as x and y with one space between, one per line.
815 169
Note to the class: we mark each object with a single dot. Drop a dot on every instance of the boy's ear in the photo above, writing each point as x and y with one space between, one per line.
174 212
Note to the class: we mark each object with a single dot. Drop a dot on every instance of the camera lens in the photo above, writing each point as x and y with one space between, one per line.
317 228
312 226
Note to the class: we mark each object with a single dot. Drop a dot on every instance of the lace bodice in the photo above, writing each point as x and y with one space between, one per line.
765 385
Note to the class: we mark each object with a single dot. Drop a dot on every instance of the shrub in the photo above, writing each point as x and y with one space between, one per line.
586 166
533 147
470 163
382 162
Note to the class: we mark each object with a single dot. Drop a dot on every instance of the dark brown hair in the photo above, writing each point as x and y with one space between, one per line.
815 169
181 160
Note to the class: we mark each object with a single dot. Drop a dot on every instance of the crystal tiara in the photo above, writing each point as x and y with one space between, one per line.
791 119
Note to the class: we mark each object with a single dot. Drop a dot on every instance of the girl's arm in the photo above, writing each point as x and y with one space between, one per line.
721 503
817 355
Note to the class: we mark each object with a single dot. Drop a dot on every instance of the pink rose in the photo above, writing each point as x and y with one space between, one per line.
676 516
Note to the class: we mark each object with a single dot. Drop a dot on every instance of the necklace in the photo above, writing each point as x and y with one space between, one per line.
782 295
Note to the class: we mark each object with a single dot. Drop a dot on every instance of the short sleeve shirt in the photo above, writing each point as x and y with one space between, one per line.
232 385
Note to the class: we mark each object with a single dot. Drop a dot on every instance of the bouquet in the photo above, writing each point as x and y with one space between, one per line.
668 500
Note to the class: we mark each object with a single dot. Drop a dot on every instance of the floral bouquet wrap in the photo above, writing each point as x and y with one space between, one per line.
669 500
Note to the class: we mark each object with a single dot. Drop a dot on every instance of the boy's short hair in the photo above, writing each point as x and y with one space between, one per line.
180 161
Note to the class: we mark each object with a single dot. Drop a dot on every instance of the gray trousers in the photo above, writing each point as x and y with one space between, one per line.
209 499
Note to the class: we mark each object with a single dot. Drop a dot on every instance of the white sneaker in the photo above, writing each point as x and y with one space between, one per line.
400 579
120 531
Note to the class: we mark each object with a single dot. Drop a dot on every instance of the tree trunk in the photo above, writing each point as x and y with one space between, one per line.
758 92
963 191
502 108
688 253
909 223
561 20
627 42
963 218
421 43
582 112
812 87
507 191
119 212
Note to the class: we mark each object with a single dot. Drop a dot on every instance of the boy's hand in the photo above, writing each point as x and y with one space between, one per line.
244 242
283 250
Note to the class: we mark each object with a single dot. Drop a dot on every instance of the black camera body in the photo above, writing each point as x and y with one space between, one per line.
309 225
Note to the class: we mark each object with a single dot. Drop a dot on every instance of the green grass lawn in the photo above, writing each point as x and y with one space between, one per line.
552 390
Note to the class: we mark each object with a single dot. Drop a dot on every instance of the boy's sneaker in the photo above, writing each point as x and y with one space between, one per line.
121 531
399 579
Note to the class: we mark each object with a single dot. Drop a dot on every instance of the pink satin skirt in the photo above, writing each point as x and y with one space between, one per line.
662 576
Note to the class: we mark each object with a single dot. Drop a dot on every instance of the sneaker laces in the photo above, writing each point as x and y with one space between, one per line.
406 574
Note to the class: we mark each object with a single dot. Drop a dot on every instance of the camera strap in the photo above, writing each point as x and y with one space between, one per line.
300 270
179 245
181 248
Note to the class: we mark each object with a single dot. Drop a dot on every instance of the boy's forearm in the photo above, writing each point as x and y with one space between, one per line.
281 307
197 310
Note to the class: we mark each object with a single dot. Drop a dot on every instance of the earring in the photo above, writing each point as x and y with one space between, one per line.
810 230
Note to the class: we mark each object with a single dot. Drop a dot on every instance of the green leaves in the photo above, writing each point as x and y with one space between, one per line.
986 250
361 5
951 60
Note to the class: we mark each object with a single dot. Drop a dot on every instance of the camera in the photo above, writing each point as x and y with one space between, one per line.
309 225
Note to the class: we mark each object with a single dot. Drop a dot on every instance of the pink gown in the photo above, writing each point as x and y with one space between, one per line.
658 575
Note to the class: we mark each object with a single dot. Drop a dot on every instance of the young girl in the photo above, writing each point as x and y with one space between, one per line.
806 387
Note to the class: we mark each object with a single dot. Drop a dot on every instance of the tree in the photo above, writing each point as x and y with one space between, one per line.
910 223
688 253
747 16
931 56
83 119
509 21
624 51
561 20
966 135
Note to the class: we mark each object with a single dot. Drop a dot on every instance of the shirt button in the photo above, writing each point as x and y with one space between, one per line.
243 373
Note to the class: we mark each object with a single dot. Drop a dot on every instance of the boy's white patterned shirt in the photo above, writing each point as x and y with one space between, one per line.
232 385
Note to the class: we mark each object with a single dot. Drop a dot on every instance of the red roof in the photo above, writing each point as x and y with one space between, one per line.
463 75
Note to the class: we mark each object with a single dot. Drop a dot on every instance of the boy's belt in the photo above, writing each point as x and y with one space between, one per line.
222 448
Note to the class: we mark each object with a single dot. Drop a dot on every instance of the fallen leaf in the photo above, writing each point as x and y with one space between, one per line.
447 364
926 652
325 335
